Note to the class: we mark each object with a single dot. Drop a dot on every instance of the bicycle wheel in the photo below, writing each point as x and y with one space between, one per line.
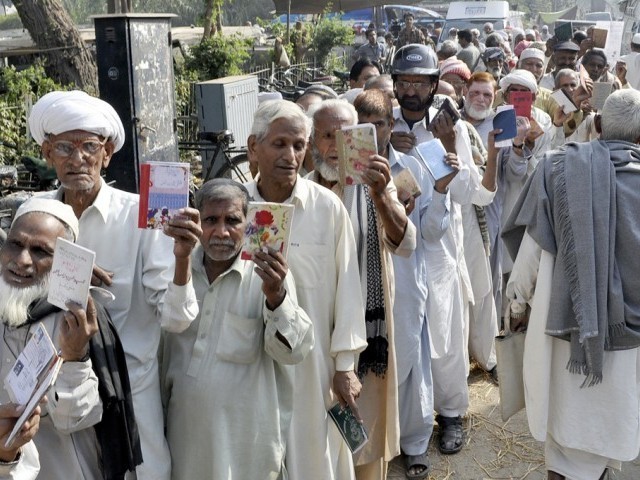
239 170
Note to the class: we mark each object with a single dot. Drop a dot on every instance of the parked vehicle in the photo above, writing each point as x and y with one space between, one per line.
467 15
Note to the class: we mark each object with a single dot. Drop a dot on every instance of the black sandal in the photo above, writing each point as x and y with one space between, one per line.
451 435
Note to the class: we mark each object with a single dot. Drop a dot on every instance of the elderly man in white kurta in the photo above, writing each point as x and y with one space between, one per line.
381 227
236 356
79 135
577 267
322 257
448 278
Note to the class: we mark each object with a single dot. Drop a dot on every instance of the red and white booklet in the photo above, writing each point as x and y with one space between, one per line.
33 374
164 189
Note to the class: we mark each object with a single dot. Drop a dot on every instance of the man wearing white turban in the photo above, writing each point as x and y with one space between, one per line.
79 135
516 163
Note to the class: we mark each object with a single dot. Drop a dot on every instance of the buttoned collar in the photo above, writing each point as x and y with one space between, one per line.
299 195
197 261
101 203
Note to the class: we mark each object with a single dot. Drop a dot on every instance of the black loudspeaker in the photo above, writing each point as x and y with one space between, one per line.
135 75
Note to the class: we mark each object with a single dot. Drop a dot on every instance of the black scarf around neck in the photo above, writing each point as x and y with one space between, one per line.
117 432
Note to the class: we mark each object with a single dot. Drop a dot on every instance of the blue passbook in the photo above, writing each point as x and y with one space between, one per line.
505 120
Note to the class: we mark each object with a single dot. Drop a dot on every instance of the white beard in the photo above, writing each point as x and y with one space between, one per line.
14 301
326 171
477 113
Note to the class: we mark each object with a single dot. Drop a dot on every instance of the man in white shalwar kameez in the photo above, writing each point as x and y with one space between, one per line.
415 73
430 213
381 228
237 356
577 267
628 66
322 257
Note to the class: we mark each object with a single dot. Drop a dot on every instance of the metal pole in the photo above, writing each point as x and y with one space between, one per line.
286 41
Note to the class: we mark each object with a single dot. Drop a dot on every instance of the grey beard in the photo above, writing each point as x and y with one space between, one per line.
14 303
326 171
477 114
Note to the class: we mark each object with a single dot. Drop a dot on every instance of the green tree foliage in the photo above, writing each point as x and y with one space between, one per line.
330 32
20 88
219 56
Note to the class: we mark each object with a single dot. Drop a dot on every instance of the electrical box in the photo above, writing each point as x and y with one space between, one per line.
135 75
227 103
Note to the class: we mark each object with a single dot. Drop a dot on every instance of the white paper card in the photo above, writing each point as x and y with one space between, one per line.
70 274
37 356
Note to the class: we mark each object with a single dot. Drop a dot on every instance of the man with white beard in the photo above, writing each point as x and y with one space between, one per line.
478 103
67 443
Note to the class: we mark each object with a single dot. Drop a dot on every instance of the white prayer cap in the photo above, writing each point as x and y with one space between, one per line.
520 77
56 208
59 112
532 53
636 39
530 31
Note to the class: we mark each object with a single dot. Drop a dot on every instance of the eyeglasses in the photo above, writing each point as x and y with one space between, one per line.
404 85
65 148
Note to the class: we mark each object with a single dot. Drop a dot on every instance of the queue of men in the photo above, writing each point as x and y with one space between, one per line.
207 365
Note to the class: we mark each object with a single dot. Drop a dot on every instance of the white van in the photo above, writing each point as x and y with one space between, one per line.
468 15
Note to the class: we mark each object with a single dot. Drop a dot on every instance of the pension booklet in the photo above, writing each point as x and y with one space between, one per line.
599 94
70 276
563 99
32 375
448 108
599 37
433 154
505 120
350 428
355 145
164 189
522 102
268 226
406 182
563 32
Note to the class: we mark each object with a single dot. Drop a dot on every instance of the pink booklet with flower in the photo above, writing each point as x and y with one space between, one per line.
268 225
355 145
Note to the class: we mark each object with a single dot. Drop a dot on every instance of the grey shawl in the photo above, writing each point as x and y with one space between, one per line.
581 205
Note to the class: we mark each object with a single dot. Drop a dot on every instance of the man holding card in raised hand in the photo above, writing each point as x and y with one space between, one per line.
68 444
322 257
235 360
152 287
381 227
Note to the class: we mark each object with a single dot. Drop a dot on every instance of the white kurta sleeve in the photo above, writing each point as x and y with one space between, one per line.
465 184
74 402
292 322
26 467
408 243
348 337
179 307
522 282
435 216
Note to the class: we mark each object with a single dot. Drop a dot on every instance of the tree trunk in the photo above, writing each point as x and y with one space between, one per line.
67 59
209 26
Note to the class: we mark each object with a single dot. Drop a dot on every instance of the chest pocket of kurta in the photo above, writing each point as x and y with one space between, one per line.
240 339
310 264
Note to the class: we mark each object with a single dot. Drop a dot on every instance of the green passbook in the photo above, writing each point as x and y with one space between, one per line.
352 431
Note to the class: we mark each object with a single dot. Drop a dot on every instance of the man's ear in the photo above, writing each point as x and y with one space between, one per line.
46 151
109 149
251 148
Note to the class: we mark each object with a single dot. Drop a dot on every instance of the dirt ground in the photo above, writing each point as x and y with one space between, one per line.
494 449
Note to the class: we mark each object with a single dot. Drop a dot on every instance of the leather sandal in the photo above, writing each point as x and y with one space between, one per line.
451 434
412 461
